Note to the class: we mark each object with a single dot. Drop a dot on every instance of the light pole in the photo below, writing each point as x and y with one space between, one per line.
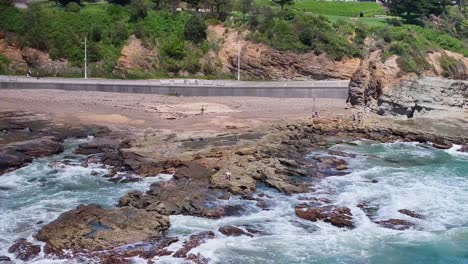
238 60
85 59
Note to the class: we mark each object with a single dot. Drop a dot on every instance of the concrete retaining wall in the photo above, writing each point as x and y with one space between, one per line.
296 89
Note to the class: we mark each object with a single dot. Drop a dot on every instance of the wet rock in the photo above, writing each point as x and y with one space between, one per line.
18 154
410 213
337 216
24 250
112 259
4 259
396 224
341 153
441 144
12 160
187 193
91 227
233 231
464 149
193 242
369 210
198 259
97 145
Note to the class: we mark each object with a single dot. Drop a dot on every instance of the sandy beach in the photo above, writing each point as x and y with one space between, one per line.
167 112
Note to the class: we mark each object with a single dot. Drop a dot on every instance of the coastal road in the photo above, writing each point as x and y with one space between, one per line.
337 89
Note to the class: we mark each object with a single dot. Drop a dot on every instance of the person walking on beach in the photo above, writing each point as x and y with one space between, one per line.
202 110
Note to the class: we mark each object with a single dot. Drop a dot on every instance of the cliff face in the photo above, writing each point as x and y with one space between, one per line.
382 87
135 56
262 62
40 63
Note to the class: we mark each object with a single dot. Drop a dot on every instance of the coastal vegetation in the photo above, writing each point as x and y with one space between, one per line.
178 30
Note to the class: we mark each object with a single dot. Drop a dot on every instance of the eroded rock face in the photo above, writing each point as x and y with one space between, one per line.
92 227
337 216
262 62
415 97
135 56
24 250
385 89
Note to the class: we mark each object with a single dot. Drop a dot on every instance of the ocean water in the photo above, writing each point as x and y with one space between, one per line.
37 194
433 183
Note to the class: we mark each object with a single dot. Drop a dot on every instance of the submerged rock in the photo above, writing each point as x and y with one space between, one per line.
233 231
441 144
396 224
193 242
91 227
464 149
5 259
410 213
337 216
24 250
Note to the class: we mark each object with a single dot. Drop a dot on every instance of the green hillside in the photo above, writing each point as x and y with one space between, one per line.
340 8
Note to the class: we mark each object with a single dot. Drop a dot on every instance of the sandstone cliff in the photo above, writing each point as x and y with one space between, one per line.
135 56
40 63
262 62
384 88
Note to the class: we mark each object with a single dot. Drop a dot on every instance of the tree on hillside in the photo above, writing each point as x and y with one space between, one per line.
66 2
6 3
219 8
120 2
282 3
417 8
193 3
138 9
195 29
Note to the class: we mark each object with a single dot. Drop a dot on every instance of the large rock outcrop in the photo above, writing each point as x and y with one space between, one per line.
381 86
262 62
417 96
92 227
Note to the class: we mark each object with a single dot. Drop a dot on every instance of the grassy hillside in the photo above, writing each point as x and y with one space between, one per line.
333 28
339 8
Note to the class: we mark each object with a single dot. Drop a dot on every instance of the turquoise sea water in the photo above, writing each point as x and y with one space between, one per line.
433 183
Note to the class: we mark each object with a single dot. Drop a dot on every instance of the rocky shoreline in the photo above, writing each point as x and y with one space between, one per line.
205 170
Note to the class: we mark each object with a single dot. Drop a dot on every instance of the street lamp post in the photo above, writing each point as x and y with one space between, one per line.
85 59
238 61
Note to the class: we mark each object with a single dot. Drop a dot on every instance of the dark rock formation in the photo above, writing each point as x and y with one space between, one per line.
233 231
92 227
441 144
16 155
337 216
193 242
410 213
396 224
24 250
464 149
5 259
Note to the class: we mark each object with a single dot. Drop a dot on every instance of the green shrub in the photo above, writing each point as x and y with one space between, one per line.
73 7
195 29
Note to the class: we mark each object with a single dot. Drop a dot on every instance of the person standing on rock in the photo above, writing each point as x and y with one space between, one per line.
228 176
